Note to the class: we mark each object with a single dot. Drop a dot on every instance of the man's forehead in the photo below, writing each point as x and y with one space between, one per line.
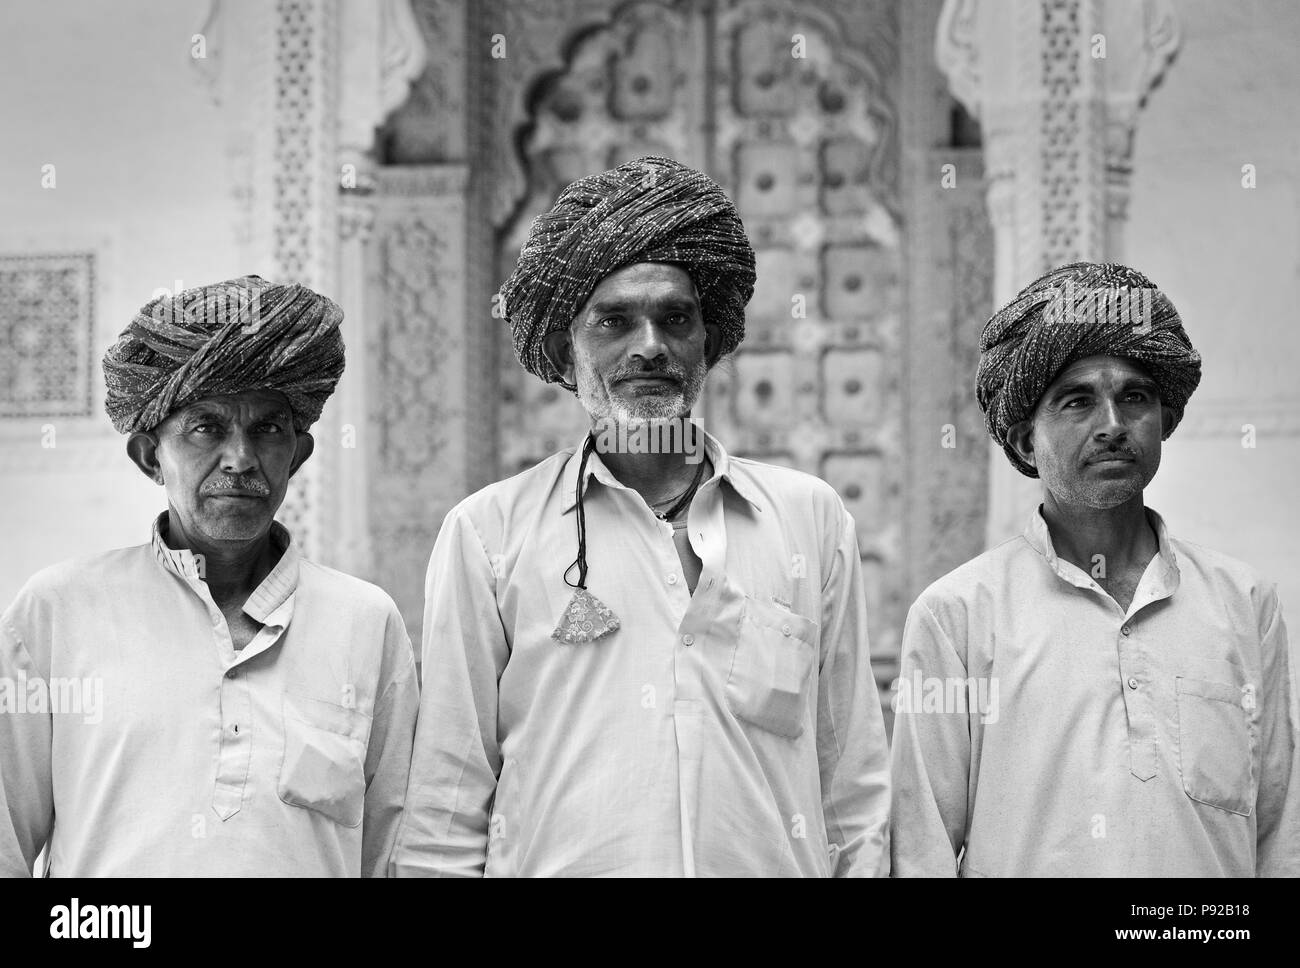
261 402
645 280
1095 368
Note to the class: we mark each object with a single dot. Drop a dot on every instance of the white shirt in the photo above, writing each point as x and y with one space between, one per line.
736 731
1154 741
286 758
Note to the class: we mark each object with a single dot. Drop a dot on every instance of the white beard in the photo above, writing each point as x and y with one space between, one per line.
602 404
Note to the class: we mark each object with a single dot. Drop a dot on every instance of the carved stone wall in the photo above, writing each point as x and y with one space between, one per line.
304 200
416 441
808 147
47 334
952 297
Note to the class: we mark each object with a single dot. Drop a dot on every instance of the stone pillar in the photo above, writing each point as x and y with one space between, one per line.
420 369
383 54
1056 85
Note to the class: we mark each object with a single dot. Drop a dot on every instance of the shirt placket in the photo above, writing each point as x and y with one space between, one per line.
1136 674
235 705
236 750
1139 705
707 538
1135 677
234 737
234 745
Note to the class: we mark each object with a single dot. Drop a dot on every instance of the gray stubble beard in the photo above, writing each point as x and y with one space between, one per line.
601 404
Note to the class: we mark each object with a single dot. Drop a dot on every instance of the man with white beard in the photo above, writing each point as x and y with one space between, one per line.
691 694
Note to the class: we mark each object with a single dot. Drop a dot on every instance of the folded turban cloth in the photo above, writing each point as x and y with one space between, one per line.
242 334
1073 312
650 210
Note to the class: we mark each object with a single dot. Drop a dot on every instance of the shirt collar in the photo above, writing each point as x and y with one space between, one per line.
724 468
271 596
1040 539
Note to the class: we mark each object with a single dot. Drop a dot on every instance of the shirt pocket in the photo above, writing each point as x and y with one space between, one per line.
771 672
1216 745
324 765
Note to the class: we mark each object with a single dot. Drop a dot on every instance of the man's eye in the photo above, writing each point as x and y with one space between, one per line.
1070 404
207 428
679 319
269 428
611 321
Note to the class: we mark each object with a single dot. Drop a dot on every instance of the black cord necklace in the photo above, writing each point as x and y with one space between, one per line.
684 499
586 618
581 561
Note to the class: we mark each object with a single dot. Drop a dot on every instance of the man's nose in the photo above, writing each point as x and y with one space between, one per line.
238 455
647 340
1110 423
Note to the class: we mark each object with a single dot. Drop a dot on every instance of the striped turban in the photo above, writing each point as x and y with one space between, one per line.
1071 313
650 210
233 336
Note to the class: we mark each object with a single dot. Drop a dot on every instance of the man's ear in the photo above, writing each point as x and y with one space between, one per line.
302 449
712 343
142 448
1166 421
1021 438
557 347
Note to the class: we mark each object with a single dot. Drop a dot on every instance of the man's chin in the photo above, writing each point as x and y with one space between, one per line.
236 525
647 407
1104 496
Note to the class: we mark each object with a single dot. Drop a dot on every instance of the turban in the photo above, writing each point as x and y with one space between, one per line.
650 210
242 334
1073 312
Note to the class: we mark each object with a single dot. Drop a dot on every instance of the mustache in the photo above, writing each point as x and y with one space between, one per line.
1114 450
665 368
236 482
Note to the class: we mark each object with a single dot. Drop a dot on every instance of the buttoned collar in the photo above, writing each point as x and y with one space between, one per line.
724 469
1164 568
272 596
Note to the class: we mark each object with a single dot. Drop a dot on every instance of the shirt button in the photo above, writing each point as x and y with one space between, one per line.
672 579
688 639
1125 630
1132 682
232 674
785 629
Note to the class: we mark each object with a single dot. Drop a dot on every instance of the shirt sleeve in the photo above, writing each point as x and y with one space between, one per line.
388 758
26 787
456 760
852 750
1277 804
930 762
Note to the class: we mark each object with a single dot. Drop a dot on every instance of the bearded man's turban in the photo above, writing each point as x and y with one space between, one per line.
650 210
233 336
1073 312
